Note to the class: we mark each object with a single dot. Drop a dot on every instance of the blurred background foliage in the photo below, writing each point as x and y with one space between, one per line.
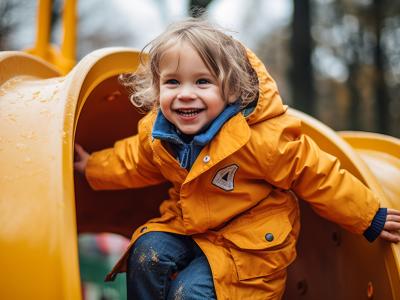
338 61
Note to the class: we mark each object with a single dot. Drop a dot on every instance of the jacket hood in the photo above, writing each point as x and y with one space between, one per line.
269 102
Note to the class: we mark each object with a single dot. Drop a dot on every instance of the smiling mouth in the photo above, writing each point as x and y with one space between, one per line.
189 112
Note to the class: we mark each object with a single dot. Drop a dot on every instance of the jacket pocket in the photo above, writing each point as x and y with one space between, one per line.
263 246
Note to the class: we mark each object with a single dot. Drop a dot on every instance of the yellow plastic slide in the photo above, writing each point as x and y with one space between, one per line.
43 205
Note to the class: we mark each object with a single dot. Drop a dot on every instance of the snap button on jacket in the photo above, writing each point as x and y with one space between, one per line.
246 221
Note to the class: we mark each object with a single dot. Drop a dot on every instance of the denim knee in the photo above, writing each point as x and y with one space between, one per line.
144 257
160 262
194 282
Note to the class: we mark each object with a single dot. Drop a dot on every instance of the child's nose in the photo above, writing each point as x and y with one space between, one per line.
186 93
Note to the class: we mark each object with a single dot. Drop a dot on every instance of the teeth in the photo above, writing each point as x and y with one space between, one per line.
188 112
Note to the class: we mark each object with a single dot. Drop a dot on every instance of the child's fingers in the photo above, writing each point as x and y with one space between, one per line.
391 230
80 167
393 237
394 218
78 148
81 153
391 211
392 225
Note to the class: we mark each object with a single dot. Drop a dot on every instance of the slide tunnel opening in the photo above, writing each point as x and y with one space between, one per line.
106 219
107 116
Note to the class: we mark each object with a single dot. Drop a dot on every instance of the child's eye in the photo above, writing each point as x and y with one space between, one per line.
203 81
172 81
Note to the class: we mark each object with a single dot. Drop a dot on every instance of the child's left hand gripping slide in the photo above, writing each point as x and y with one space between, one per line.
391 229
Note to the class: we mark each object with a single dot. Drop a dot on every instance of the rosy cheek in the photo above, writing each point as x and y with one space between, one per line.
165 111
164 103
166 93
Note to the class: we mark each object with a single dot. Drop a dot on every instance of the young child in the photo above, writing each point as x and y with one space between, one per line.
217 130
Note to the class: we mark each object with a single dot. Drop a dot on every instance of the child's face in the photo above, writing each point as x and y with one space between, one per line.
190 96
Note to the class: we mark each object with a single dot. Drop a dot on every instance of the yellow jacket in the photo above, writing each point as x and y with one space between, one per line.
238 201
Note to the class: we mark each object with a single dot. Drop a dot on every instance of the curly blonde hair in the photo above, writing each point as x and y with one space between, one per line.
224 56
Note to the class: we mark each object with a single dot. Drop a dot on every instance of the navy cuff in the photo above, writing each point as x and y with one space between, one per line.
377 224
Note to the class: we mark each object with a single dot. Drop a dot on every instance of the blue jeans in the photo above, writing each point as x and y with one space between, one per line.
168 266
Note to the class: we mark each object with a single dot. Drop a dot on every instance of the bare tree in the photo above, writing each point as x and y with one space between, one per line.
7 23
381 95
301 71
197 7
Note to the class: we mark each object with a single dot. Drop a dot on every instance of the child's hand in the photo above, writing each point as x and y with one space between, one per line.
391 230
81 159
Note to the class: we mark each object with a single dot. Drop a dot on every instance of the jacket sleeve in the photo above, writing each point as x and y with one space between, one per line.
294 161
129 164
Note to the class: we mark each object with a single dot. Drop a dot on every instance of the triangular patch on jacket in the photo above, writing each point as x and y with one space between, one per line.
224 178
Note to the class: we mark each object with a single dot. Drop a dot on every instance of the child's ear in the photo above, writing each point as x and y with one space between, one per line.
232 98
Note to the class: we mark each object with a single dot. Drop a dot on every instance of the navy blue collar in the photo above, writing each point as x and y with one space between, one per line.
165 130
187 148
